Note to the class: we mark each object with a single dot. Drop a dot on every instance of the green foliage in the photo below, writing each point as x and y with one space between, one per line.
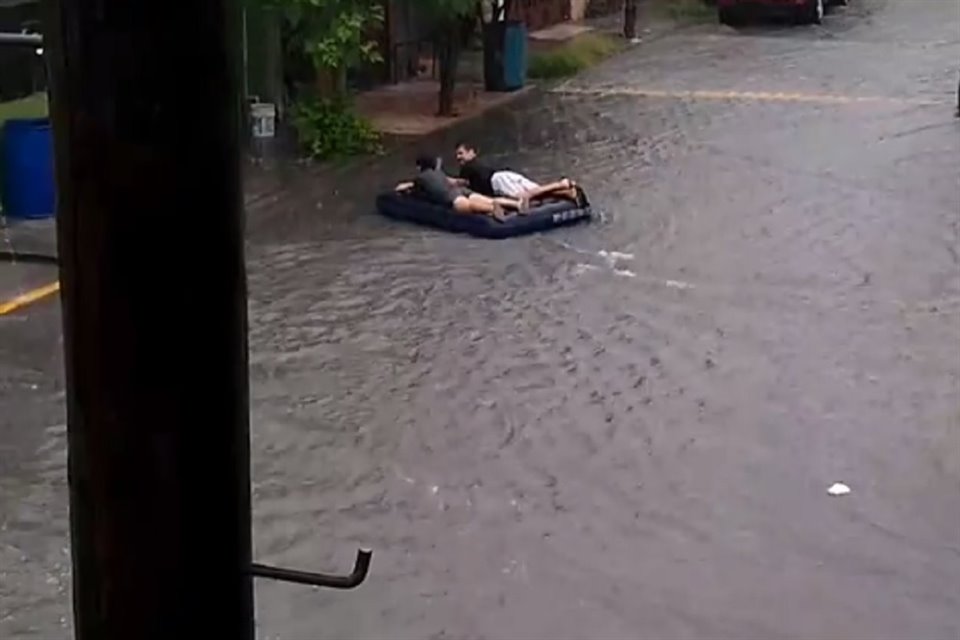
330 33
554 65
335 36
329 129
569 59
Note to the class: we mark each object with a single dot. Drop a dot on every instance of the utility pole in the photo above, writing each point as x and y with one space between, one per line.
146 111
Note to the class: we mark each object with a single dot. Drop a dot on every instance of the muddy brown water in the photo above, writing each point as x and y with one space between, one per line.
622 430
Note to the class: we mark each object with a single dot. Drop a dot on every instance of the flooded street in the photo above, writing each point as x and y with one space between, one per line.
619 430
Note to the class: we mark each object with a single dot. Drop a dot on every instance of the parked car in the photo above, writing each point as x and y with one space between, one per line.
733 12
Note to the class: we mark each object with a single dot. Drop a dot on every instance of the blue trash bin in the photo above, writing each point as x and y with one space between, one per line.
27 162
515 56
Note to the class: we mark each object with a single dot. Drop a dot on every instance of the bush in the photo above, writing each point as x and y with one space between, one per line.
583 51
557 64
329 129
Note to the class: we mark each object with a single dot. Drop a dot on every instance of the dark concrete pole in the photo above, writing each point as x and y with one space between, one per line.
146 116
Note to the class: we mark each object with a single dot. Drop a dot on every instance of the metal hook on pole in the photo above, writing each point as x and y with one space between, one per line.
361 567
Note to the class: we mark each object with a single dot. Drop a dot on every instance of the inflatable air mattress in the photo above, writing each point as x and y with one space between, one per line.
548 215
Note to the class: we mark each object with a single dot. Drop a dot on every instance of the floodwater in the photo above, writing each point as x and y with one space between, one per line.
620 430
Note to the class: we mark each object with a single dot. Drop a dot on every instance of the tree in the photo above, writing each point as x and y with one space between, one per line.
449 19
630 19
321 41
330 36
499 10
494 14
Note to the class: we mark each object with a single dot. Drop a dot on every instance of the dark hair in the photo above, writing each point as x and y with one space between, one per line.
426 161
465 145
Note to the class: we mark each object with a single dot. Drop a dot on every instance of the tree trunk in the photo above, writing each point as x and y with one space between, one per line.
630 19
500 10
332 82
448 57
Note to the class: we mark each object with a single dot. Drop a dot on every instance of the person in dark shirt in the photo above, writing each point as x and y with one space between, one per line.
435 186
476 174
491 181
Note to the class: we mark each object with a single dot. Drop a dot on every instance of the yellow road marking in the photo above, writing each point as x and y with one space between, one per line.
29 298
757 96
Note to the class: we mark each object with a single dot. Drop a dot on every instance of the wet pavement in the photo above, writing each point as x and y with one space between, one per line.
620 430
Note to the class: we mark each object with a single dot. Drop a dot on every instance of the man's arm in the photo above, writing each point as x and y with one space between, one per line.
457 182
404 186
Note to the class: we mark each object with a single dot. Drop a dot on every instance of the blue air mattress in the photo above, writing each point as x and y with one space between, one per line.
548 215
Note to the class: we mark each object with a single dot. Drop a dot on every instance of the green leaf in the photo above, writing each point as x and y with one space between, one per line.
330 129
330 33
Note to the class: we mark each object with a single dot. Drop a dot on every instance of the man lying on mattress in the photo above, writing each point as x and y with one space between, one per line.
483 178
435 186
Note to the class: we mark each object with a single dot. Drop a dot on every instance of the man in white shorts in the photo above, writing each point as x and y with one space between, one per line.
484 179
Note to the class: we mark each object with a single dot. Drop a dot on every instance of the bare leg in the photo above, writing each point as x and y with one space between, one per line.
565 188
483 204
569 193
508 203
478 204
559 187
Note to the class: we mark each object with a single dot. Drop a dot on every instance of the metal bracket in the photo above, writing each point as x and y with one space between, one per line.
361 567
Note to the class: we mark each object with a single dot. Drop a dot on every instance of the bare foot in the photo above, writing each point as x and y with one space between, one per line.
582 201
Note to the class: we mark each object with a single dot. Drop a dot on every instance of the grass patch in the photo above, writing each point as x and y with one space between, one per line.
34 106
685 11
574 56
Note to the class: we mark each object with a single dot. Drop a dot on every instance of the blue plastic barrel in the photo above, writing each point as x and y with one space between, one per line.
515 56
27 161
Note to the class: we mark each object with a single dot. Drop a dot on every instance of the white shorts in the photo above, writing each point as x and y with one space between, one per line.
512 184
